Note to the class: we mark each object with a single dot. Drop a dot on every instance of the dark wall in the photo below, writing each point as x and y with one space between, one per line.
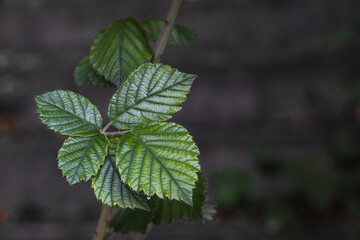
258 62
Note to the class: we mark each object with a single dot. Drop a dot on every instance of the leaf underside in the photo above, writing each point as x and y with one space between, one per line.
180 35
119 50
110 189
81 157
159 158
85 74
69 113
154 92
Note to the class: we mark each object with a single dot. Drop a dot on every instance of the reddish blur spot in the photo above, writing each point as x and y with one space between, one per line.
3 214
8 123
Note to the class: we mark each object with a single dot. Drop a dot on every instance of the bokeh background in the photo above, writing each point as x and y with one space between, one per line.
275 111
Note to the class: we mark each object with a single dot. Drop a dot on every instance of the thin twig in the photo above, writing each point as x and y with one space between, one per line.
166 30
103 225
106 127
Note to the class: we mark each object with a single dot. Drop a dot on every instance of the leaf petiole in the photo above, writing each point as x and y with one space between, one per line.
113 134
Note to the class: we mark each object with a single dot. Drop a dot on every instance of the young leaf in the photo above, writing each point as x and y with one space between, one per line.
69 113
81 157
170 210
119 50
85 74
159 158
154 92
180 35
110 189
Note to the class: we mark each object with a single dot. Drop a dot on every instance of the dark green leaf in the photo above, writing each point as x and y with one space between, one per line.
85 74
170 210
81 157
180 35
162 211
154 92
69 113
119 50
131 220
110 189
159 158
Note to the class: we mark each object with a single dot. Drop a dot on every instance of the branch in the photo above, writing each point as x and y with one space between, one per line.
113 134
106 127
166 30
103 225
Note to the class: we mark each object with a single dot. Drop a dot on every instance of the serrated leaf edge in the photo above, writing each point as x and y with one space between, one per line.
101 162
38 110
131 77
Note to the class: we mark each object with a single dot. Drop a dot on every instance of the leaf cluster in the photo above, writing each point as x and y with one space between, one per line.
149 168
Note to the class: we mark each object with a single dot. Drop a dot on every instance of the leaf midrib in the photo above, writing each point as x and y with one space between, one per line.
162 165
72 114
91 140
148 96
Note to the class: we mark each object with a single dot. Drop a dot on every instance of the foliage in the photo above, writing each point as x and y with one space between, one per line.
143 98
162 211
180 36
149 168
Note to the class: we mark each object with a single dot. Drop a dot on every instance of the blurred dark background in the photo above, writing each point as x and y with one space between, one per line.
275 111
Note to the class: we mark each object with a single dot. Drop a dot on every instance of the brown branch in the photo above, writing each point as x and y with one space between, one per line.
166 30
103 225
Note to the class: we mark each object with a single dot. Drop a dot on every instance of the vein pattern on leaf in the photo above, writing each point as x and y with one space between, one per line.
180 35
119 50
85 74
69 113
110 189
159 158
154 92
81 157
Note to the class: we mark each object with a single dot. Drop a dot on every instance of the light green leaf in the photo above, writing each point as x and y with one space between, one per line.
170 210
180 35
85 74
119 50
69 113
81 157
110 189
159 158
154 92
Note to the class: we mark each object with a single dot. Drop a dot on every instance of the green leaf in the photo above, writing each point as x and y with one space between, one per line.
162 211
170 210
110 189
119 50
85 74
69 113
180 35
81 157
154 92
159 158
131 220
